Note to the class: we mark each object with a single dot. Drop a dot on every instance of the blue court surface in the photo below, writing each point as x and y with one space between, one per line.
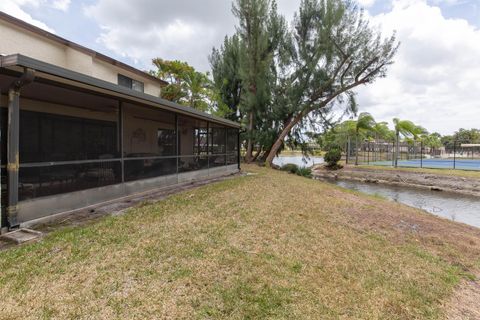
461 164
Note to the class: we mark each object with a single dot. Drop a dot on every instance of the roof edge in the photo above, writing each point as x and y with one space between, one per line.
47 68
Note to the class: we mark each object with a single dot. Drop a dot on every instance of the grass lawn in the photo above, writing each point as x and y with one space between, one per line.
446 172
269 245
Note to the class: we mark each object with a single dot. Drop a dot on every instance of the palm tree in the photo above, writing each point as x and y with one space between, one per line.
365 122
381 131
405 128
417 133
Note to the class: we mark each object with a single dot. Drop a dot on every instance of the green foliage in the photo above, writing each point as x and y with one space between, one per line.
284 80
432 140
405 127
365 122
225 63
300 171
461 136
188 86
332 157
304 172
290 167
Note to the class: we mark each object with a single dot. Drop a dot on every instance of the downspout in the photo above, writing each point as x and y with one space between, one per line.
13 127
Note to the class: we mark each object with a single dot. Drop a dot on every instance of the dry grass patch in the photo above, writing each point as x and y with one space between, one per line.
445 172
272 245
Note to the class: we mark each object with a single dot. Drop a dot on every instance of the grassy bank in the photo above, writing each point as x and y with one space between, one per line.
445 172
269 245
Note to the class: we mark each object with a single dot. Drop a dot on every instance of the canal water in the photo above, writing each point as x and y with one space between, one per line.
298 160
452 206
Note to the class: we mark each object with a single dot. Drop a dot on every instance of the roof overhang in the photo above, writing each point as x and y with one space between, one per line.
76 79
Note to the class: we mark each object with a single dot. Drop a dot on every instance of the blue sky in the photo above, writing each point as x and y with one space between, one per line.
433 81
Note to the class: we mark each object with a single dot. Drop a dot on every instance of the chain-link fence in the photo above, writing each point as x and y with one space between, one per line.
455 155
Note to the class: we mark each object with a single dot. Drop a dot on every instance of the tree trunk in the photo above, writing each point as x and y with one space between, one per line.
248 155
278 143
259 151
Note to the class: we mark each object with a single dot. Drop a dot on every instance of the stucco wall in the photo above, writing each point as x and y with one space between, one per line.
17 40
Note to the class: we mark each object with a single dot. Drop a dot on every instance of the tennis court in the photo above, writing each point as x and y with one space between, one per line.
436 163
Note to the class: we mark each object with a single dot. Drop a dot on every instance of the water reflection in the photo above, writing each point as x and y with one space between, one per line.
298 160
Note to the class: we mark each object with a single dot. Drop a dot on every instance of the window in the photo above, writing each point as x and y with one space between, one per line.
130 83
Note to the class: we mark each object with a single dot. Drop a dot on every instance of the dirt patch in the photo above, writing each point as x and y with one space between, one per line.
432 181
464 304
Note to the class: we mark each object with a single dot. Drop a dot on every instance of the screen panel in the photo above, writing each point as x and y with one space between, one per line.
48 137
148 132
217 136
149 168
192 163
47 180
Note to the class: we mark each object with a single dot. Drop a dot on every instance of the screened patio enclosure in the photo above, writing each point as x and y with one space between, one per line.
82 141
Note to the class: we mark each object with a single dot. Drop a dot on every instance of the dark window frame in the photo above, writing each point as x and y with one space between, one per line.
130 83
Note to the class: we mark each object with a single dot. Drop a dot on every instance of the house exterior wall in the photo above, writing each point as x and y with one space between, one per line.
18 40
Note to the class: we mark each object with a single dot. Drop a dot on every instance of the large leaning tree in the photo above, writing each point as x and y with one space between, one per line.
329 50
335 51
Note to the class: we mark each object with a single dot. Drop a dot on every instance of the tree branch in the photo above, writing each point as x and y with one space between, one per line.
357 77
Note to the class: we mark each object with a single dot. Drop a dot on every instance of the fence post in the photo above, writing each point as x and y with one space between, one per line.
368 152
393 154
348 149
454 154
421 154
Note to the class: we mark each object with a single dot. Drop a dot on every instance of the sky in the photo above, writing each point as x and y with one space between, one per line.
434 81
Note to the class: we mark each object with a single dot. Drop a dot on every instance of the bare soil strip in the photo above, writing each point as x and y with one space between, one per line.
411 178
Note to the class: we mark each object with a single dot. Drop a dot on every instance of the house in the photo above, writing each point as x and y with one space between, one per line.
79 128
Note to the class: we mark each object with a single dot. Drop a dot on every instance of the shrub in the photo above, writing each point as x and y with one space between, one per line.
304 172
332 157
290 167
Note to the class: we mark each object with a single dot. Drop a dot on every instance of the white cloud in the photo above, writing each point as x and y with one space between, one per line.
16 8
61 4
434 80
183 29
366 3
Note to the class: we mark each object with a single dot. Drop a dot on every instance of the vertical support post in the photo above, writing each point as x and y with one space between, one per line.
348 150
421 154
368 152
13 161
208 144
225 145
3 226
13 158
120 138
394 153
238 148
177 141
454 154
